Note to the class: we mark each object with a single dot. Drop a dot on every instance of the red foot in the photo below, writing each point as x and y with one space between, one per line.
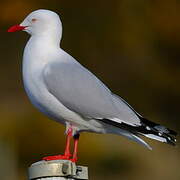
58 157
74 160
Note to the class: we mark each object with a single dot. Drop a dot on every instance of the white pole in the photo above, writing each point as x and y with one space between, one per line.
57 170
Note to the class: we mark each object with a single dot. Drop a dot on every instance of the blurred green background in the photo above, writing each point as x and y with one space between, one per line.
134 47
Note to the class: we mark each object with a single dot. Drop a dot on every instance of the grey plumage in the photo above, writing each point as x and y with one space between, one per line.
80 91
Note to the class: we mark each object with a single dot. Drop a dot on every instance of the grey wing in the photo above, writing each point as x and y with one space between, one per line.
82 92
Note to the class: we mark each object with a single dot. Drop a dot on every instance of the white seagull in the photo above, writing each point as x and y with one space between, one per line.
67 92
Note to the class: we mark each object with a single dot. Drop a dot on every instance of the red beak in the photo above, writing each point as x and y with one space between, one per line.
16 28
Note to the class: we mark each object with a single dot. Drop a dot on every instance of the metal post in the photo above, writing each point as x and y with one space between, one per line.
57 170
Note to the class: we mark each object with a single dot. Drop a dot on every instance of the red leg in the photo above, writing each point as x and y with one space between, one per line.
68 141
76 140
67 153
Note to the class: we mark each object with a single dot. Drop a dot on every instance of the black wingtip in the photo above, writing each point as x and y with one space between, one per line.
158 126
171 140
161 131
148 129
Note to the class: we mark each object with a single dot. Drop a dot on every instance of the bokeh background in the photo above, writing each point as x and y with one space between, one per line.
134 48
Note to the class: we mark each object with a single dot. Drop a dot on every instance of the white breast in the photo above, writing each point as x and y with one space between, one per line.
34 61
32 77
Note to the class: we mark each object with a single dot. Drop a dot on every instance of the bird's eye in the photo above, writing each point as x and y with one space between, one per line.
33 20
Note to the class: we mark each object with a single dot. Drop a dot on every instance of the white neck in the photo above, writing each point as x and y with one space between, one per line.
45 39
39 50
52 36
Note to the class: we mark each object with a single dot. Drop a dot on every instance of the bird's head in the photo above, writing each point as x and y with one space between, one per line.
40 22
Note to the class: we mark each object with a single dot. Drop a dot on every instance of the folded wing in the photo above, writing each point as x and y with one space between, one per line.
82 92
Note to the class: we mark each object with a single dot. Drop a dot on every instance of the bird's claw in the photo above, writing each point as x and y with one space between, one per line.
74 160
57 157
